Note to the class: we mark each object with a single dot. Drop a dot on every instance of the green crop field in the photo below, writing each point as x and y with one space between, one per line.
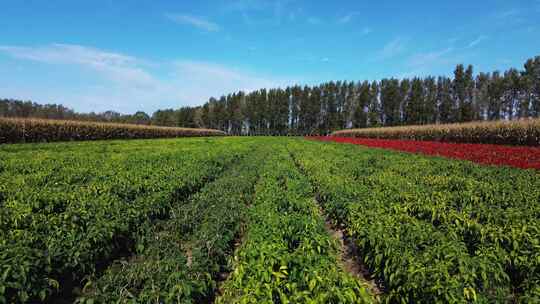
257 220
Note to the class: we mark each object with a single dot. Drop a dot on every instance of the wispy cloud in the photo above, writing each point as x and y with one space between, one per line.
292 16
429 63
476 41
198 22
70 54
511 16
347 18
509 13
220 79
276 11
452 40
279 10
434 62
245 5
115 66
126 83
314 20
429 58
392 48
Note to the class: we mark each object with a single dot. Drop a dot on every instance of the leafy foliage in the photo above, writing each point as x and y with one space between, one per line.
69 209
287 256
433 230
234 220
179 260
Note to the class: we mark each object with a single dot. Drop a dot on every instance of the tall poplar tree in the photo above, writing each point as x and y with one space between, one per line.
390 101
445 100
531 76
414 107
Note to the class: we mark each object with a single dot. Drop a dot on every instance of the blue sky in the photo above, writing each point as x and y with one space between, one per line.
146 55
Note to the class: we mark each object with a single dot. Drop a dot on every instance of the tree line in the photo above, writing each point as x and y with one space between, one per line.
322 109
29 109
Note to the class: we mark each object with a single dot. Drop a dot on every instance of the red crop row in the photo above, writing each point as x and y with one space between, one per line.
519 157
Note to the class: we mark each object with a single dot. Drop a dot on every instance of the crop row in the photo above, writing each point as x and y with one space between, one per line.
69 209
181 259
498 155
287 255
520 132
433 230
16 130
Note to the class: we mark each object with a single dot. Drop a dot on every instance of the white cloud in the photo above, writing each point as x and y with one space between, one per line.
392 48
115 67
477 41
68 53
200 80
197 22
128 84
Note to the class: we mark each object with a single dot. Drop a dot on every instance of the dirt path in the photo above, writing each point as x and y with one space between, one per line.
349 257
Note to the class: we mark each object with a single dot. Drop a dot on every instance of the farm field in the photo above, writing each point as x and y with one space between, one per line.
27 130
255 219
525 132
500 155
